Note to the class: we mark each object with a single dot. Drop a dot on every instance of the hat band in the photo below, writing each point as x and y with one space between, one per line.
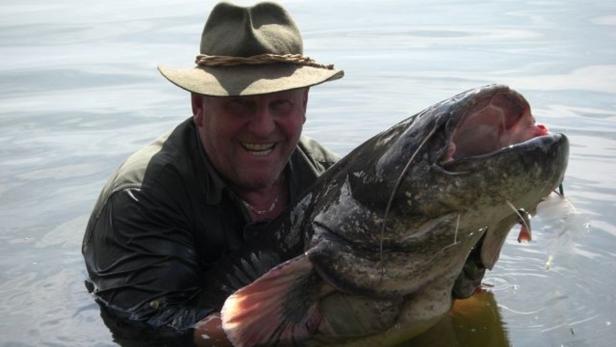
266 58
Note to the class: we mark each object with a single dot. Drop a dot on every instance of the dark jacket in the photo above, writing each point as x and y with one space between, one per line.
161 223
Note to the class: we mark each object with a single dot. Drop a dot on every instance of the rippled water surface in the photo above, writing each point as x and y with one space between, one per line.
79 91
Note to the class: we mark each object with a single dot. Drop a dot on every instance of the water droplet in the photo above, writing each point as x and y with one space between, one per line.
548 264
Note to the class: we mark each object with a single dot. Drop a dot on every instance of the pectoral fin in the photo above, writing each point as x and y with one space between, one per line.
279 308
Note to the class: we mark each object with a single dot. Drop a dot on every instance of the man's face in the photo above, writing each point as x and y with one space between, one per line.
249 139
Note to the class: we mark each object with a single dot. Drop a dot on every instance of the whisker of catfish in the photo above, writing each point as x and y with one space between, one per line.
520 217
395 190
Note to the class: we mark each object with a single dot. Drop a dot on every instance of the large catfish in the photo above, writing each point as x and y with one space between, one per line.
393 223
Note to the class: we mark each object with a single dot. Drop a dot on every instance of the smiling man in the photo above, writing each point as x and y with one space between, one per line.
249 140
178 206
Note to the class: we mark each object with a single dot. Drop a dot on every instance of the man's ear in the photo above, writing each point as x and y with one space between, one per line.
197 108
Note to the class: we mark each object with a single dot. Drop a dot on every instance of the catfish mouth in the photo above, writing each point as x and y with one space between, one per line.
495 122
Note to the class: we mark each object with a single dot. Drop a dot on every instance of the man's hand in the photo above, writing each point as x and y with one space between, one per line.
209 333
469 280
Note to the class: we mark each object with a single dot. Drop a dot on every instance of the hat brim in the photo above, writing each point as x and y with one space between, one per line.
247 79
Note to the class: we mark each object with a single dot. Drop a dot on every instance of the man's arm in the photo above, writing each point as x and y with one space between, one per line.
141 260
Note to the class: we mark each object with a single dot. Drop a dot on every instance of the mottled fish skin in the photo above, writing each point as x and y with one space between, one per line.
399 216
440 211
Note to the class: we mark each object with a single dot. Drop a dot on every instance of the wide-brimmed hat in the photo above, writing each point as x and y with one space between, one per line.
248 51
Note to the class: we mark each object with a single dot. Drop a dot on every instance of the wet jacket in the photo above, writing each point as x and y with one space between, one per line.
162 222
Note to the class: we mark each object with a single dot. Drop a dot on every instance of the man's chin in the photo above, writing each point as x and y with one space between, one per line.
257 180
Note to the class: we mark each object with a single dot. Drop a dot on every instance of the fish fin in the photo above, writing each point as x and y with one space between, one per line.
524 235
279 308
239 270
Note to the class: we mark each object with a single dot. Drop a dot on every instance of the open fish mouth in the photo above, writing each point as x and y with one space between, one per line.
494 123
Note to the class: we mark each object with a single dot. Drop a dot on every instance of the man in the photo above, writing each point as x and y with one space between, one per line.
176 207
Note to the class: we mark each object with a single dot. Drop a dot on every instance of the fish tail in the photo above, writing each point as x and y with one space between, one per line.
278 309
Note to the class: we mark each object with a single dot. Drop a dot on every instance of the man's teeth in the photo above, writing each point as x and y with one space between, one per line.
259 148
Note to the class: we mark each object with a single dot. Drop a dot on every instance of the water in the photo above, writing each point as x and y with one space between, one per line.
79 91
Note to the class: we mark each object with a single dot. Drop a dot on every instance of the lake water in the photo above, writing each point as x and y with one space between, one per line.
79 91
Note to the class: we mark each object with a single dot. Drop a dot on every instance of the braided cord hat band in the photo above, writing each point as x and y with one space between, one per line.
266 58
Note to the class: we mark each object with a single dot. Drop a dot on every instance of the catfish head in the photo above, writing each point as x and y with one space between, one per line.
413 202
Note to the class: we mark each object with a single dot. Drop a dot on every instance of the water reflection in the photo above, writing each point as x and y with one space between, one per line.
475 321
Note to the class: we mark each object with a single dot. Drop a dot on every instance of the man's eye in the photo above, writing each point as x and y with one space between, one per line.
281 106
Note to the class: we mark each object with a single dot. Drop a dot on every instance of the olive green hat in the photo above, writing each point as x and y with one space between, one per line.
248 51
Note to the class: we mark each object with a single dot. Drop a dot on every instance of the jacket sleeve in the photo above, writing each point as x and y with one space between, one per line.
141 258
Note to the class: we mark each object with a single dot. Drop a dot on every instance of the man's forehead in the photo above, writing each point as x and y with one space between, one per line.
286 94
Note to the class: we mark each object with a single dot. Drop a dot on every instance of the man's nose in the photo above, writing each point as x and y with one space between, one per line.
262 122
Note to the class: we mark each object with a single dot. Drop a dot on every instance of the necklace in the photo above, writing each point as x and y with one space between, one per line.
260 212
